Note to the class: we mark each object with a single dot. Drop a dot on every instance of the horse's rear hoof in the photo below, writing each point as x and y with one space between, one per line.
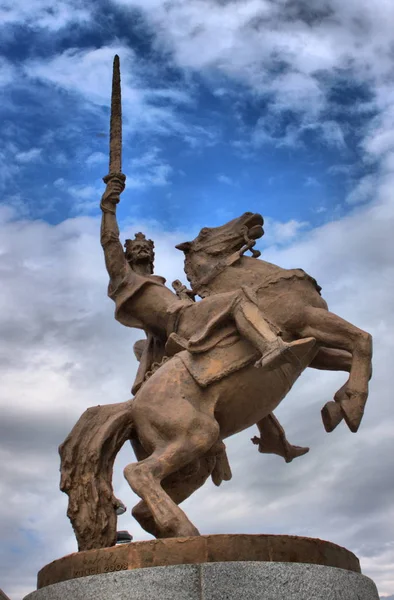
331 415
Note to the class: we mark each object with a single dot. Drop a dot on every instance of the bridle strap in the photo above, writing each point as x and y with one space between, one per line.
228 262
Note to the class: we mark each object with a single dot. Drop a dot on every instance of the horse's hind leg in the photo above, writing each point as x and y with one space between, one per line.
177 434
145 477
178 486
332 331
182 484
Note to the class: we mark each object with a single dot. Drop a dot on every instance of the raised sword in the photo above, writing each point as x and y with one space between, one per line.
115 132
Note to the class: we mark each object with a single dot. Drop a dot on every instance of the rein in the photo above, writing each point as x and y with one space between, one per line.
221 265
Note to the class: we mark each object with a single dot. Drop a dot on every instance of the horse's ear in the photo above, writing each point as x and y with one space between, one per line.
185 246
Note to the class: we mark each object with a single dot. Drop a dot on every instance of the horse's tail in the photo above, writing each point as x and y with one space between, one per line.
87 457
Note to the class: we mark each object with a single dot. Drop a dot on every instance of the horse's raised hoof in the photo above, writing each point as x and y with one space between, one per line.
353 409
331 415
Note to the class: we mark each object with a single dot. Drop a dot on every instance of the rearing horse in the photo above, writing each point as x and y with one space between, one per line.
178 423
291 300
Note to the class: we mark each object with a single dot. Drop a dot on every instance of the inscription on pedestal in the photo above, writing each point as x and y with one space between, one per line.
83 564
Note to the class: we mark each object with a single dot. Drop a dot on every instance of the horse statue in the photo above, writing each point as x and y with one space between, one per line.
205 386
290 299
208 369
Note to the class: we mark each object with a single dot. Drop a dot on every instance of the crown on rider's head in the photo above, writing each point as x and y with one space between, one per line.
138 237
132 255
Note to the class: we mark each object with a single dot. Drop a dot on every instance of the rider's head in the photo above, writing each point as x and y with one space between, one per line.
139 253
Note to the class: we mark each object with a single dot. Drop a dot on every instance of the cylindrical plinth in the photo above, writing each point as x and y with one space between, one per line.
217 581
209 567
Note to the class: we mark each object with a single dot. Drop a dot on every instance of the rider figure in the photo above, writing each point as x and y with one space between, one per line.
157 312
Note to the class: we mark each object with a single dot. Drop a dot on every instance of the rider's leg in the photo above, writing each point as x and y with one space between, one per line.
273 440
252 324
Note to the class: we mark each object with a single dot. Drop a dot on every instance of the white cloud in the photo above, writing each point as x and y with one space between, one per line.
84 192
288 52
277 232
330 131
225 179
87 74
380 137
6 72
61 351
148 170
46 14
340 169
96 158
269 131
363 191
8 170
311 182
28 156
85 198
60 183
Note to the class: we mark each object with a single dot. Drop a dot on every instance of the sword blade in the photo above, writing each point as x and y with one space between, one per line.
115 132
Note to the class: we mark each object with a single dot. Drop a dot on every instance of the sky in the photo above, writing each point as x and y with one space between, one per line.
229 106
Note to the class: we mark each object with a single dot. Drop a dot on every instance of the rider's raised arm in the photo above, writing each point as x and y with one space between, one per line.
115 259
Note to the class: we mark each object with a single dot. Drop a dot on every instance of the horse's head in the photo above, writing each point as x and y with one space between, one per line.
227 238
215 243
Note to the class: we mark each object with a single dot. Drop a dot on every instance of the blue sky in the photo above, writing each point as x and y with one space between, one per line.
191 135
229 106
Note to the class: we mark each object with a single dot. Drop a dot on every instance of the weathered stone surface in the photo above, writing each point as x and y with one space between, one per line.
198 550
283 581
161 583
217 581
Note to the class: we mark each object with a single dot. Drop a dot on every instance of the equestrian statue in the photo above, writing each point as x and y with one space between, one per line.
208 369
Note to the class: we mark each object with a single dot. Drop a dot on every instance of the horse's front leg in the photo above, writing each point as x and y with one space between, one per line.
332 359
332 331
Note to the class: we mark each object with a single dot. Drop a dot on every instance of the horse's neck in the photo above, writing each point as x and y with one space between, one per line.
246 271
258 266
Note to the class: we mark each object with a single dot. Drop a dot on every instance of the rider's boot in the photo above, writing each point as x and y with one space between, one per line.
273 440
278 352
265 337
286 451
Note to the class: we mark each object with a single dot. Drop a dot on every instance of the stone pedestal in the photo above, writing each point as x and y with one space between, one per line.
218 567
